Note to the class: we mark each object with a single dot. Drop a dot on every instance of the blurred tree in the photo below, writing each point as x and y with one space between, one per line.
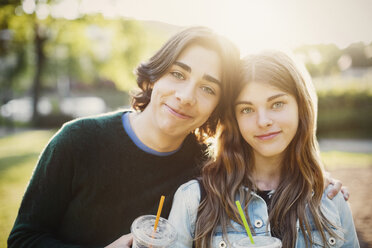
25 29
39 50
360 55
320 59
324 59
12 51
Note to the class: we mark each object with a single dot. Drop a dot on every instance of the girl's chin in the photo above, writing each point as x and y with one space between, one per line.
270 153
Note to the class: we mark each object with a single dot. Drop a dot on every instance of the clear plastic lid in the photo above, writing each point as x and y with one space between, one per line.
259 241
143 231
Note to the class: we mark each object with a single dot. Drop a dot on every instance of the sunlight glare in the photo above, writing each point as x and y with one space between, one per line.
252 25
29 6
68 9
107 8
42 11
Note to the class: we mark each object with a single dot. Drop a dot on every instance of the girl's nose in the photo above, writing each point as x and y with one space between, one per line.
264 119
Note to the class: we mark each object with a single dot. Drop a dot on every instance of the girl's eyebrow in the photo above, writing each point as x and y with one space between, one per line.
243 102
268 99
275 96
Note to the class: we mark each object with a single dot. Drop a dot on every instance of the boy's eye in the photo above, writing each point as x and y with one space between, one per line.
208 90
247 110
177 74
278 105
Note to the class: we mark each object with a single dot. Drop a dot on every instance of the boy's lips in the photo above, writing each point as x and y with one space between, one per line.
177 112
268 136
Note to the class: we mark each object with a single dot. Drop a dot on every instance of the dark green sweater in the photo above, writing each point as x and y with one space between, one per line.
92 181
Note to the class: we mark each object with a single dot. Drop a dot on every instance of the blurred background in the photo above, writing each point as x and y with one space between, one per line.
63 59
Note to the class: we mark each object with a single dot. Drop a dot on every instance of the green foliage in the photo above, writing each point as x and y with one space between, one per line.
358 54
320 59
326 59
129 45
13 48
86 50
92 48
346 114
43 54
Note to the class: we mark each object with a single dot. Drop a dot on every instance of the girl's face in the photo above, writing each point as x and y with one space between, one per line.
267 118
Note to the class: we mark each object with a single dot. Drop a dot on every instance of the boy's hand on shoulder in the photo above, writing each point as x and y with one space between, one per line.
336 187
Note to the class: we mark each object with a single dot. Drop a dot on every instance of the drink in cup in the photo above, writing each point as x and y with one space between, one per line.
144 235
259 242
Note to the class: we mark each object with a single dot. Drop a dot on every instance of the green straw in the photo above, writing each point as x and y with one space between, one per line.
244 221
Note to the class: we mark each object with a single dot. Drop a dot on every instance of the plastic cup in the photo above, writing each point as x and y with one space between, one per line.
144 236
259 241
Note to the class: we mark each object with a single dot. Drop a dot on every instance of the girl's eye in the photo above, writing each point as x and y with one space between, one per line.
177 74
278 105
247 110
208 90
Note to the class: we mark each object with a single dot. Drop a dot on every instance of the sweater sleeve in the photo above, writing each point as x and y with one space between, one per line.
47 196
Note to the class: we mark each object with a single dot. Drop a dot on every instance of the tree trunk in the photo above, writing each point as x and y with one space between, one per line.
40 59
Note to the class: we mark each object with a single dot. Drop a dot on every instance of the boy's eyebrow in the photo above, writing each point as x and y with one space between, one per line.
268 99
183 66
212 79
205 77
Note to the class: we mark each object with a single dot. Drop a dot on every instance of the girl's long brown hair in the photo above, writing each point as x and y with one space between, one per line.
300 190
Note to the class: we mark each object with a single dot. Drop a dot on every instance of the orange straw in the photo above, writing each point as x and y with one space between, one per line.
159 211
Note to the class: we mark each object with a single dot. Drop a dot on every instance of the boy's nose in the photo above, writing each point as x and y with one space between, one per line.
186 95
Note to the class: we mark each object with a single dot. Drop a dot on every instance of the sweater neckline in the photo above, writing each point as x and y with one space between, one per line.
132 135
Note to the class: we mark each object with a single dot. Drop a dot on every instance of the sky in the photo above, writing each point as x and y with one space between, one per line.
251 24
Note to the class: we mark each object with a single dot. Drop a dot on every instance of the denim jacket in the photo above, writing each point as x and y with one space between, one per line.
186 202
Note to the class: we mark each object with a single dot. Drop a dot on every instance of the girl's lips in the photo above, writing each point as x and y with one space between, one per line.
177 113
268 136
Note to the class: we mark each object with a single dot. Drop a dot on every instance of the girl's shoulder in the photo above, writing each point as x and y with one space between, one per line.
333 208
338 212
185 206
338 200
189 189
188 195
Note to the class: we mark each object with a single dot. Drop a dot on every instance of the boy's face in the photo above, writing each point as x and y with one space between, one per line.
186 95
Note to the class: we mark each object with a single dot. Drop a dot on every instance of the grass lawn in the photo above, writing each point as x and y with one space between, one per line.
18 156
339 160
19 153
